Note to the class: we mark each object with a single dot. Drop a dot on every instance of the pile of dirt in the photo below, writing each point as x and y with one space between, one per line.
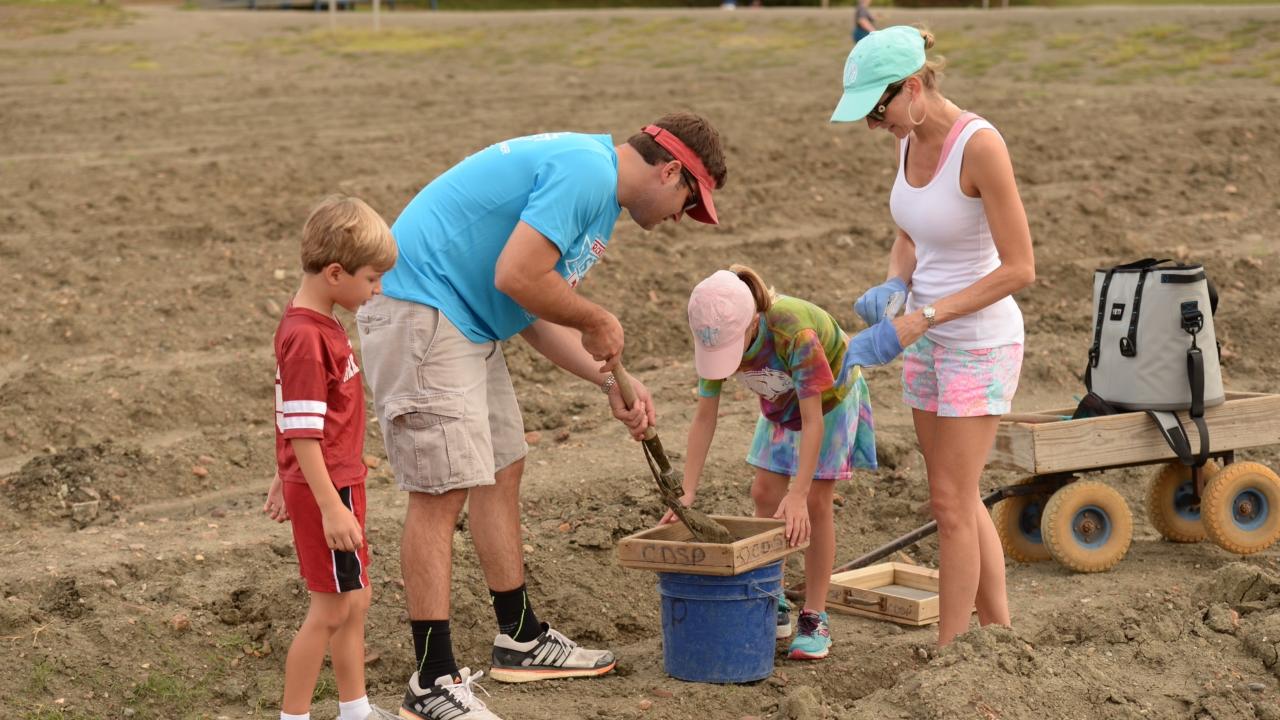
85 485
151 269
1246 605
1079 660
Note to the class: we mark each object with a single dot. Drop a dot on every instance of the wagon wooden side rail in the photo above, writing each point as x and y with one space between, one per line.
1085 524
1043 443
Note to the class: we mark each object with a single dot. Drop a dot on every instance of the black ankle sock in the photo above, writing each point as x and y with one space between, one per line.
515 615
432 650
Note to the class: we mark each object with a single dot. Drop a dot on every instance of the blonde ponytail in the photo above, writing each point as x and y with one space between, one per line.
931 74
761 293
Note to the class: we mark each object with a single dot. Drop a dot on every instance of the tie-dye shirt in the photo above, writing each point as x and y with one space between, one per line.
798 351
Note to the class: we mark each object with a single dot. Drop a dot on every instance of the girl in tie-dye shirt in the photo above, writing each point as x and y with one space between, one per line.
811 431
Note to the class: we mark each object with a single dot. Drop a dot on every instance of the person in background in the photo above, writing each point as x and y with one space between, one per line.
863 23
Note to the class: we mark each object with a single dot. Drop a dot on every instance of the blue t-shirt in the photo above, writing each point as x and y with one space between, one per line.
564 185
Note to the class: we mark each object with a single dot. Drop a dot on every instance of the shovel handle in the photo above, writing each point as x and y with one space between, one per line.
623 379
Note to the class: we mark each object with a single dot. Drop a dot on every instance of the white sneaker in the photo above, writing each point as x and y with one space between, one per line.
375 713
550 655
447 699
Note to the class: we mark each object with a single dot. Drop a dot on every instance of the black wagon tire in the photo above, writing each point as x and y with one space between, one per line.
1172 504
1087 527
1241 508
1017 521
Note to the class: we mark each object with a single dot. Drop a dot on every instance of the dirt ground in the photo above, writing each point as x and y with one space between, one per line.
156 165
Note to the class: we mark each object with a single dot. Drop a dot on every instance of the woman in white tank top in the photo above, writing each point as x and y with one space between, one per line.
963 248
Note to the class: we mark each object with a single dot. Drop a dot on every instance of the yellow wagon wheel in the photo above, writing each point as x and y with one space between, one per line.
1173 505
1017 520
1087 526
1241 508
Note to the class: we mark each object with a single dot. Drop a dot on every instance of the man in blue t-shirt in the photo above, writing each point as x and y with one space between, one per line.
492 248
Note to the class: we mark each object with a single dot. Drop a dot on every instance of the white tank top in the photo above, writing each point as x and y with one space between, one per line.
954 248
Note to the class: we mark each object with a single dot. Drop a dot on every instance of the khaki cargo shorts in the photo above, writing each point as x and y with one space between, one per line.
448 413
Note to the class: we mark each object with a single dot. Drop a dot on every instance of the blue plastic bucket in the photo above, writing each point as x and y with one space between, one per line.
720 629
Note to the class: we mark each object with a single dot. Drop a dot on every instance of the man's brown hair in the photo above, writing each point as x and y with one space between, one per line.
345 230
695 132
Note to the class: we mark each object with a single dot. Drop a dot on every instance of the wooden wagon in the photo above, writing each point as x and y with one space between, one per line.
1086 525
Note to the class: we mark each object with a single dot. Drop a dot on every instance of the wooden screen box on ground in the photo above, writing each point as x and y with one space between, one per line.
897 592
671 548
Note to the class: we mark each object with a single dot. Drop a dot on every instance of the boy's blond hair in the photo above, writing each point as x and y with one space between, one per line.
345 230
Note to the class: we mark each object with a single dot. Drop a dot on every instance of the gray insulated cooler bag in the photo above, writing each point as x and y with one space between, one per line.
1154 348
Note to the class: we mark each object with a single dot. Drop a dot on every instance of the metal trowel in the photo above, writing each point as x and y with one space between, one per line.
670 487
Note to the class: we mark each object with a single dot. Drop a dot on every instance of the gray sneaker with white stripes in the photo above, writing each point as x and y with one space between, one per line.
447 699
550 655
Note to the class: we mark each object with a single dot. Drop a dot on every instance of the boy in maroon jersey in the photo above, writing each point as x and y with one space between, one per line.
319 485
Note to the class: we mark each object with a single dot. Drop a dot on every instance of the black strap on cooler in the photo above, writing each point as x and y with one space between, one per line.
1129 343
1170 428
1095 350
1167 422
1193 323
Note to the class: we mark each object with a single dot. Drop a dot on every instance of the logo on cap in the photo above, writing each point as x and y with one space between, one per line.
708 335
850 73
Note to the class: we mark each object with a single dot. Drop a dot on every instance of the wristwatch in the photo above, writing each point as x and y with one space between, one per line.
608 384
929 313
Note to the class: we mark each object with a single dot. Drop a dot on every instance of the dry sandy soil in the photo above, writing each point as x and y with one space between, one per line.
155 169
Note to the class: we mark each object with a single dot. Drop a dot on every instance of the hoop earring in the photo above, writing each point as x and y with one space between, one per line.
910 117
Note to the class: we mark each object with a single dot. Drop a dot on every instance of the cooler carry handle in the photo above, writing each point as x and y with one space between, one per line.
1095 349
1129 343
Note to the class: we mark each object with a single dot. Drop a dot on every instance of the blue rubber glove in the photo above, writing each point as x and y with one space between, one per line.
884 300
876 345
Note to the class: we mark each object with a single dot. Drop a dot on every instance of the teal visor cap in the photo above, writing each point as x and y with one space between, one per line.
878 60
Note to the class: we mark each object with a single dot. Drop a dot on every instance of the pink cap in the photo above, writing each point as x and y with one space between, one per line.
721 309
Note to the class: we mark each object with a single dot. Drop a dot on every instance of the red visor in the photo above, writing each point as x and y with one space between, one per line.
705 212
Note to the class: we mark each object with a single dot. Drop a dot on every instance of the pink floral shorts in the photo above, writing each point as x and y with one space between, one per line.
960 383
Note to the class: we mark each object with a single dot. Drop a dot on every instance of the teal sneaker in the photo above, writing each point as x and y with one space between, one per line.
813 641
784 619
